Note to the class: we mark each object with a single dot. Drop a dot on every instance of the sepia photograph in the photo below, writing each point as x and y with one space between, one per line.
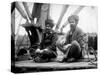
53 37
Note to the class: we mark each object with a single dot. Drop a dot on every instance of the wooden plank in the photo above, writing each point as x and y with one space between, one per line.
31 64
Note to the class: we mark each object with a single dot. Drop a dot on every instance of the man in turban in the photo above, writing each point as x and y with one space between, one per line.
47 50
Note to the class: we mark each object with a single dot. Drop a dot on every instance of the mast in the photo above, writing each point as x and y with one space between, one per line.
44 15
65 7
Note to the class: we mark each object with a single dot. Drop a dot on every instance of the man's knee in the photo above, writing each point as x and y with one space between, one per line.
75 43
75 49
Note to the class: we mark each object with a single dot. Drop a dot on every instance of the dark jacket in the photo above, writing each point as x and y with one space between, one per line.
79 36
49 40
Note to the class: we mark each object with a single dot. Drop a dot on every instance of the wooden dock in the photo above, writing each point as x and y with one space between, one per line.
30 66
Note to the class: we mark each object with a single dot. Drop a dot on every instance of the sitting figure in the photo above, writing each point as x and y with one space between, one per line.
74 45
47 50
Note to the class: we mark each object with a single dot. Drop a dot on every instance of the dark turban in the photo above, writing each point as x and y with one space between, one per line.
49 22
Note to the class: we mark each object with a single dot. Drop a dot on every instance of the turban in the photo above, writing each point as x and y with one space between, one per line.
49 22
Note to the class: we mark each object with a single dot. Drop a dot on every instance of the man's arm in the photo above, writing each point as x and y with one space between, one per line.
82 39
63 48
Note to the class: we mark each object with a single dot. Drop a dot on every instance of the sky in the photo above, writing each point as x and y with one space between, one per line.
88 18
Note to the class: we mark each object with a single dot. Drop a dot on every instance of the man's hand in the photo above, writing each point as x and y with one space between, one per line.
66 46
39 51
46 49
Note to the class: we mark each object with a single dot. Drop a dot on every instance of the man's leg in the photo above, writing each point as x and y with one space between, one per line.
74 51
45 56
48 55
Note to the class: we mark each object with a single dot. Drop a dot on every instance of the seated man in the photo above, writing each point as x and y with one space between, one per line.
75 44
47 50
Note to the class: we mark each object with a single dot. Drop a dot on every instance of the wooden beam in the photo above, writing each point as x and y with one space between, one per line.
27 10
65 7
36 11
21 11
76 12
44 15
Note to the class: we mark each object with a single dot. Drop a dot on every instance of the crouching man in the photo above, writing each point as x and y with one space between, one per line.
47 50
74 46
